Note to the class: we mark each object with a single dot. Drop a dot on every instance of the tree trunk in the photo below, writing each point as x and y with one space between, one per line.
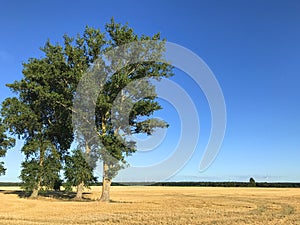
79 191
80 187
106 182
87 148
36 189
35 192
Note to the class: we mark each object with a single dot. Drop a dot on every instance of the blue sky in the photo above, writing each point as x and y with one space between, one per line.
253 48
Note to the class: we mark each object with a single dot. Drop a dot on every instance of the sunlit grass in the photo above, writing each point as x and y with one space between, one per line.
157 205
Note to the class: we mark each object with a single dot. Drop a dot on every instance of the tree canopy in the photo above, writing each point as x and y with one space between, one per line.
42 111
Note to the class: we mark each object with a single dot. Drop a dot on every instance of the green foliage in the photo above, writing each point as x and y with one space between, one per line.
35 173
51 172
252 182
5 143
77 170
102 85
57 184
29 174
119 95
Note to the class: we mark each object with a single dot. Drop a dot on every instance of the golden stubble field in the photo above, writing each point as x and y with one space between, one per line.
158 205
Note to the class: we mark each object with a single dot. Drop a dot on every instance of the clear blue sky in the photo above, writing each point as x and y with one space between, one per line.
253 48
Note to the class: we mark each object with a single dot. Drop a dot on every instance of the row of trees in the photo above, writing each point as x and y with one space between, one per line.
42 109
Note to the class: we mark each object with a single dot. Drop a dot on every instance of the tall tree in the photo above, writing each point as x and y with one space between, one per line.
33 117
5 143
252 182
126 98
27 120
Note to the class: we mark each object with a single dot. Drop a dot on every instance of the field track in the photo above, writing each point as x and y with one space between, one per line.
157 205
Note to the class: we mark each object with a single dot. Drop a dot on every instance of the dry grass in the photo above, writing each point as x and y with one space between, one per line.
158 205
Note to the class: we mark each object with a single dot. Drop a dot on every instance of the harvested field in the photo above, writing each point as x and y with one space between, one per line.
157 205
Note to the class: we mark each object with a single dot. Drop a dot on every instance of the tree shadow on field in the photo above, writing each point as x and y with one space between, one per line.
127 202
21 194
56 195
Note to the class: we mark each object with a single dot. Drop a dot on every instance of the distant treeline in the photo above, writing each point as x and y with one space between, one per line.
227 184
209 184
188 184
9 184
